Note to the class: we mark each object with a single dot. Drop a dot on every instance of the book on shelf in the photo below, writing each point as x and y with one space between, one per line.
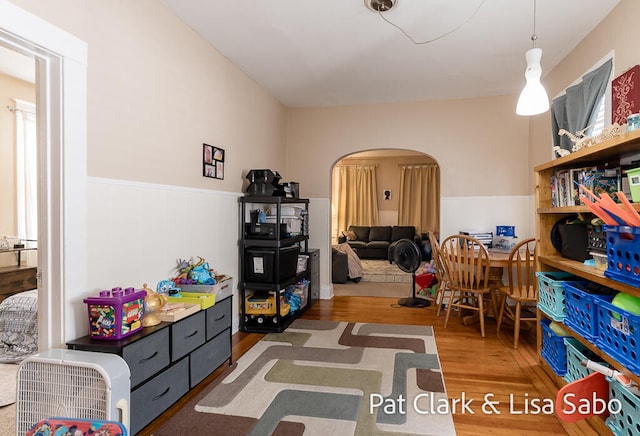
565 184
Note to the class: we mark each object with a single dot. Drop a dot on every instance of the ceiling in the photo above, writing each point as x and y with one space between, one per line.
339 52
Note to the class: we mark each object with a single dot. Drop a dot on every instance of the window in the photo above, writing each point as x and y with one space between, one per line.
582 108
26 170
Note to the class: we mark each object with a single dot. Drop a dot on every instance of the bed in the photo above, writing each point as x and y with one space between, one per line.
19 326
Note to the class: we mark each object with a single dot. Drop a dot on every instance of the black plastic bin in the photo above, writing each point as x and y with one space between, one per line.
260 263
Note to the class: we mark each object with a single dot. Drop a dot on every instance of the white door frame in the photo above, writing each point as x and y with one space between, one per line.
61 100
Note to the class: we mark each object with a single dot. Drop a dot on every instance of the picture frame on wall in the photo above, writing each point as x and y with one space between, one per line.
218 154
209 171
207 154
212 161
219 170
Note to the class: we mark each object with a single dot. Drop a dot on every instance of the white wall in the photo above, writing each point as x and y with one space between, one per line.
136 232
485 213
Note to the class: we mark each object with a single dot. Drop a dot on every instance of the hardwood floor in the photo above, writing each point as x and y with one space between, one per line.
473 368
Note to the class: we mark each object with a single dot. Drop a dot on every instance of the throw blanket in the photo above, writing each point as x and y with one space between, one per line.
355 267
19 327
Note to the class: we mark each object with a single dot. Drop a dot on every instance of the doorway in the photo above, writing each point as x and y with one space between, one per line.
389 166
61 89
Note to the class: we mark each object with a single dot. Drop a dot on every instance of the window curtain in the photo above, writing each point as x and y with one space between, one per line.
357 196
26 170
419 203
577 109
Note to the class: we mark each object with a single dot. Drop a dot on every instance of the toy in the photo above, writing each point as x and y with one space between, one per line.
201 274
259 308
194 272
115 313
153 302
168 287
627 302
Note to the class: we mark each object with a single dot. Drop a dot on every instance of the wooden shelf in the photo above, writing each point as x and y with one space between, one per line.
614 148
587 272
549 259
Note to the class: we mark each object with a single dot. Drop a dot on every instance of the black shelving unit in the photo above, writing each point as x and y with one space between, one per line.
275 241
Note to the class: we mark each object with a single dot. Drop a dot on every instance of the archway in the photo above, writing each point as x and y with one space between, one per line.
390 165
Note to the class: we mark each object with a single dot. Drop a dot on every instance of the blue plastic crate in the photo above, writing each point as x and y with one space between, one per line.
509 231
554 350
582 315
576 352
623 254
551 293
619 335
627 421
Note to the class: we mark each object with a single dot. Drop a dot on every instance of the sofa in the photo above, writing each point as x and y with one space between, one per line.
373 242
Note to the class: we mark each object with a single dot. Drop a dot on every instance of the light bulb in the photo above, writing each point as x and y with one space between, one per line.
533 98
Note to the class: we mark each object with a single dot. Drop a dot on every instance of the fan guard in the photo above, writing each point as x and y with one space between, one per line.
407 256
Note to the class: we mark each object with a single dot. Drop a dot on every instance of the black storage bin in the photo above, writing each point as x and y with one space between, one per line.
574 239
260 263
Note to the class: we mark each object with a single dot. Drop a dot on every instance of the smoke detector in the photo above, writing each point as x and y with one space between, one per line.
380 5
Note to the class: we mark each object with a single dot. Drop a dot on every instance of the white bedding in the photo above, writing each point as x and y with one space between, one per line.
19 326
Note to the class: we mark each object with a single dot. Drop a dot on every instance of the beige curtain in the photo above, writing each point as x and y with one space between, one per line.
420 198
357 196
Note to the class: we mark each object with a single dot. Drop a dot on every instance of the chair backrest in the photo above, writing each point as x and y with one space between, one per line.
521 269
467 262
441 268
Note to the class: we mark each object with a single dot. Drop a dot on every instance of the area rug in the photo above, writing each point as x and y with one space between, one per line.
382 271
332 378
8 373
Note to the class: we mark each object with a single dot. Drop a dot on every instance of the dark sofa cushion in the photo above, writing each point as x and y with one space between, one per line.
381 245
362 232
357 244
403 232
380 233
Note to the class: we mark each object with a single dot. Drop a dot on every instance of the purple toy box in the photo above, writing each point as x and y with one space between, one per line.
115 314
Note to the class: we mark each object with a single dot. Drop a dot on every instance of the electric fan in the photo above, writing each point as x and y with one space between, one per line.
72 384
407 256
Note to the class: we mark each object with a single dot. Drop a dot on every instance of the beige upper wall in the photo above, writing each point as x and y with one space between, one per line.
10 88
617 33
480 144
157 91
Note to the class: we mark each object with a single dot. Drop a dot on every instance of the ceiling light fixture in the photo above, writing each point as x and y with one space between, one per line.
381 6
533 99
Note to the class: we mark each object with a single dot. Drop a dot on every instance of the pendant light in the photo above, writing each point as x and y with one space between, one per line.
533 98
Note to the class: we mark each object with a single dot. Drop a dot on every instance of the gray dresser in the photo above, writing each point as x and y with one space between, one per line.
169 359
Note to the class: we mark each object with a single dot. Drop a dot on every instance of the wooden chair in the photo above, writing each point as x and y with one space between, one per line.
522 287
441 272
467 262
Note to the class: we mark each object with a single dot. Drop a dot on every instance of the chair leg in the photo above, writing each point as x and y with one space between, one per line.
516 331
501 314
452 295
439 298
481 314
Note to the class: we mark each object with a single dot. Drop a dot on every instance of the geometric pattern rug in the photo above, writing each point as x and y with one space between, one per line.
376 270
332 378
